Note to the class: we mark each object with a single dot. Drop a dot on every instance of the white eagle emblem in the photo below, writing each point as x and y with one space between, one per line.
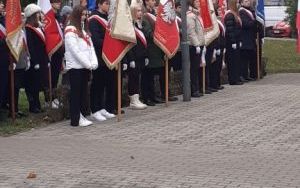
169 14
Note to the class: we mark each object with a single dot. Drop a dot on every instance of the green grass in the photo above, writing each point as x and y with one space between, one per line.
282 56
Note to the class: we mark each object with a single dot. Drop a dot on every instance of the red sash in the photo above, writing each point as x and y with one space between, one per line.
247 12
102 21
222 28
38 31
85 37
141 36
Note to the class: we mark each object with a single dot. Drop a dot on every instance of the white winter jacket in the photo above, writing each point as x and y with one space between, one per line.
79 52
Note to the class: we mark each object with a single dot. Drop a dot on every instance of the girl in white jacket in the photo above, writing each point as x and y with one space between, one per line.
80 60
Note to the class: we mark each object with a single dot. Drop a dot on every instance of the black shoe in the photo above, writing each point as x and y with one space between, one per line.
35 111
157 101
250 79
236 83
207 92
220 87
170 98
243 80
212 89
149 103
196 95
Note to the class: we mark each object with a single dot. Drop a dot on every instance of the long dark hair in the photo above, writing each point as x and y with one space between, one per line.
75 19
33 20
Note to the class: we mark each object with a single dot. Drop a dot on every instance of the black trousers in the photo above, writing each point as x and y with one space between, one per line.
3 85
33 83
56 65
103 92
19 78
215 71
147 84
232 58
133 81
195 60
176 61
78 94
248 63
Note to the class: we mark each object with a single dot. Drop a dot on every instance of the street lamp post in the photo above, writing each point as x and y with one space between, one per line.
185 54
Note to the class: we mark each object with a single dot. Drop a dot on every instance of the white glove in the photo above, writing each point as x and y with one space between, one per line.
203 56
132 64
203 64
262 40
49 65
146 61
204 51
218 52
14 66
27 64
37 67
125 67
233 46
223 65
198 50
241 44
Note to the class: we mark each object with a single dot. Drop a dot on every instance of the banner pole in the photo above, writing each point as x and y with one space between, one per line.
203 79
50 85
12 89
167 81
119 92
257 56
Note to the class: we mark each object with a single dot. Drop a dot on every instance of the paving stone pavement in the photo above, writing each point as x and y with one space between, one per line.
244 136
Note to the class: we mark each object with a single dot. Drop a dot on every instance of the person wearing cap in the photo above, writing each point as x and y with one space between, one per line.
36 76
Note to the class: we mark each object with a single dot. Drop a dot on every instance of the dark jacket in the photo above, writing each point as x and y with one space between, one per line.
138 53
156 55
4 52
98 32
221 39
233 30
249 29
36 48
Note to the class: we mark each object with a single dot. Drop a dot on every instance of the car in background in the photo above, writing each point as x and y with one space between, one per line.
281 29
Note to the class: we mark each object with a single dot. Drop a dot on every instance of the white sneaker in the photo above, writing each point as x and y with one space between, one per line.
54 105
106 114
83 122
98 116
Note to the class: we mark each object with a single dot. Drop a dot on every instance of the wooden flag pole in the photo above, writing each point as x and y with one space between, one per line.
258 59
119 92
50 85
12 89
167 81
203 78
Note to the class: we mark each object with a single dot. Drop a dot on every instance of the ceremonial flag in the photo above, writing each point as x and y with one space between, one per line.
120 34
298 27
222 7
166 33
13 24
209 19
53 33
91 4
260 11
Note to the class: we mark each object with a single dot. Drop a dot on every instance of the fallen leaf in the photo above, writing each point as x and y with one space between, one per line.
31 175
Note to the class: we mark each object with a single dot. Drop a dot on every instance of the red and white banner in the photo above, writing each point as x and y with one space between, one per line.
222 8
298 27
53 33
13 24
114 49
166 33
209 20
